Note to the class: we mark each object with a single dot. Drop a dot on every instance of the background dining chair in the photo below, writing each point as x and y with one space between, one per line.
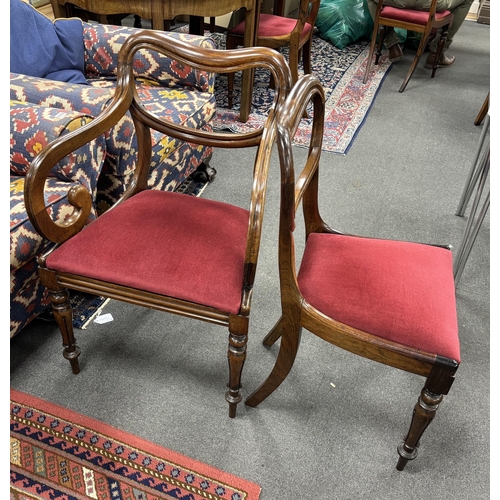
145 250
419 21
276 31
386 300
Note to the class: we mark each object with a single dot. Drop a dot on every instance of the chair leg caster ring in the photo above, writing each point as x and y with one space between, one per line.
405 454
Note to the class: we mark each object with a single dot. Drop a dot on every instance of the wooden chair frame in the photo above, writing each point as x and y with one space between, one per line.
301 188
433 24
299 45
126 99
483 111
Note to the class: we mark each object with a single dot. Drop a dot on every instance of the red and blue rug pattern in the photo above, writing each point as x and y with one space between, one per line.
86 307
57 454
340 71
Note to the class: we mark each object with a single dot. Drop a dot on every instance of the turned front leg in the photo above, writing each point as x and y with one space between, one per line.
63 314
236 355
423 414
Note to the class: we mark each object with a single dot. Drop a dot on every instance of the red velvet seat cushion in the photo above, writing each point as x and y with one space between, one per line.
167 243
410 16
400 291
270 25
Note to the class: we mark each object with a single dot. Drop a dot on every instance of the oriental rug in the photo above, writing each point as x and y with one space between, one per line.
340 71
58 454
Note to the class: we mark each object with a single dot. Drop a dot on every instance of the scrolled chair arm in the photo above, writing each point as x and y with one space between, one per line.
78 196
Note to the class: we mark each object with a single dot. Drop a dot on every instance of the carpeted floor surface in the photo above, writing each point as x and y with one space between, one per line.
162 377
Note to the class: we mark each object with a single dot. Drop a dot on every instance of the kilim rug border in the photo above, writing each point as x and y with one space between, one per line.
58 454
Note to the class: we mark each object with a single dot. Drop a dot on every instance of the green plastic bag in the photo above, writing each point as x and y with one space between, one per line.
344 21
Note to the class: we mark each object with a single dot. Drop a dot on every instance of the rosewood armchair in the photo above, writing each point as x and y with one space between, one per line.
141 250
385 300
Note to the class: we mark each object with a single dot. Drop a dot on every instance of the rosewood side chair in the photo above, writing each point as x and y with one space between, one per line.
419 21
276 31
141 250
385 300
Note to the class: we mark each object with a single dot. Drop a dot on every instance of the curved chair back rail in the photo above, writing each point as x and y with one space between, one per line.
348 289
126 99
139 265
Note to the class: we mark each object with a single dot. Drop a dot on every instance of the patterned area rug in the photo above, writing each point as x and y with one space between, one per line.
58 454
341 73
86 307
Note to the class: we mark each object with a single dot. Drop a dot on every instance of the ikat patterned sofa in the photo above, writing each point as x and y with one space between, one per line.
32 127
180 94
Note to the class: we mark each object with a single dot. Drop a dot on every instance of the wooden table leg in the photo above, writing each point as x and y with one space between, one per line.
197 25
57 9
279 7
251 26
482 112
157 15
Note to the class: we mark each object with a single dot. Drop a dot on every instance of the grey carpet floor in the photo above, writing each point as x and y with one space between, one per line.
331 430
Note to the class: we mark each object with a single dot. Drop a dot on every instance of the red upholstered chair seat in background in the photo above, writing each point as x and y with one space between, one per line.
410 16
273 26
276 31
385 300
425 22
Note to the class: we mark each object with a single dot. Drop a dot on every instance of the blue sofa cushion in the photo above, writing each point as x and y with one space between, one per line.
46 49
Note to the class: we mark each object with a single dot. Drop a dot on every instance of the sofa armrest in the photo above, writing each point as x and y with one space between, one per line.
62 95
33 127
102 44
